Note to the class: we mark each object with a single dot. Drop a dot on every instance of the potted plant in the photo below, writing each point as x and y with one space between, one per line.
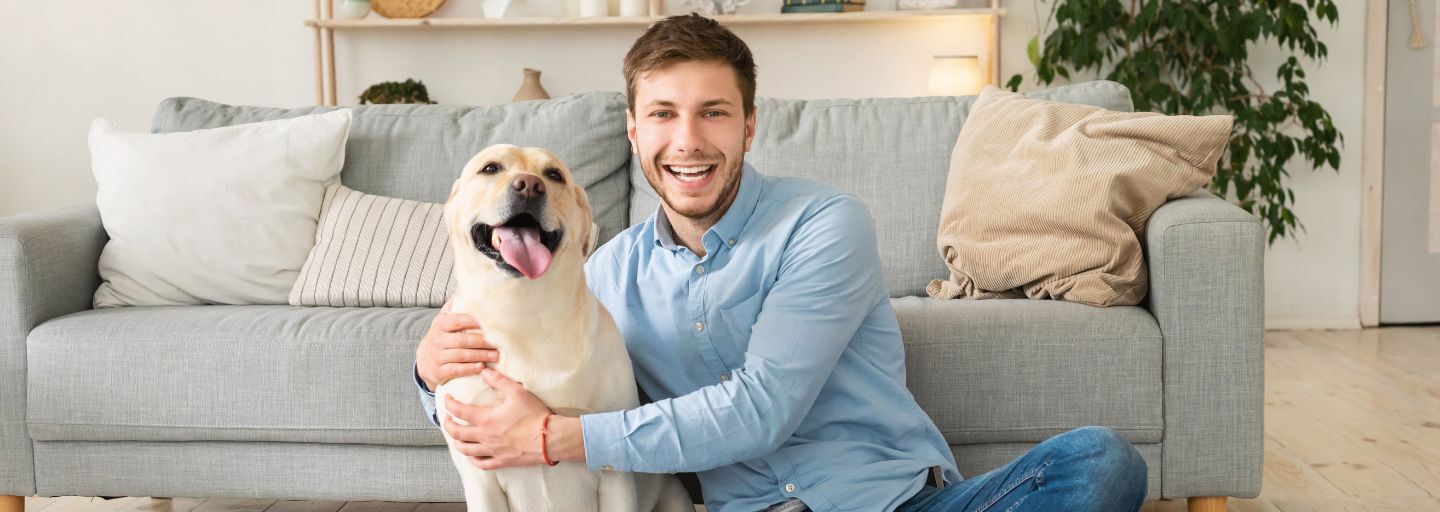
409 91
1193 57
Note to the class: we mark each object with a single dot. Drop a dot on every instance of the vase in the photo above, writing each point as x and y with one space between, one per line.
504 8
634 8
530 88
353 9
594 8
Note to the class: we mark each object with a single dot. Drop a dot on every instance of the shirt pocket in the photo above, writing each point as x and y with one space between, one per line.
739 317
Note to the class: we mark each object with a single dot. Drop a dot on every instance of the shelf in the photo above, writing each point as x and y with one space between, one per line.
645 21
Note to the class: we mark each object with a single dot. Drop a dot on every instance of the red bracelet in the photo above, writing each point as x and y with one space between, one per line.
544 451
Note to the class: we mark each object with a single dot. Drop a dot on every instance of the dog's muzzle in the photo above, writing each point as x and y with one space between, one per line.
519 245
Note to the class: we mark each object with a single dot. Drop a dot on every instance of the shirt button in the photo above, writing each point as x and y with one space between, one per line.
724 377
699 269
699 326
730 242
789 487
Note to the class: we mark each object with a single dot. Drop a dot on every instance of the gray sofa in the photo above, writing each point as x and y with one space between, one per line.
287 402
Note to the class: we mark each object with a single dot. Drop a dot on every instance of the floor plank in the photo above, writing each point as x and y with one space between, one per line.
233 505
164 505
1352 422
305 506
379 506
440 507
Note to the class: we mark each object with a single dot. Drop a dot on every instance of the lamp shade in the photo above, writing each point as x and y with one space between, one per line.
955 75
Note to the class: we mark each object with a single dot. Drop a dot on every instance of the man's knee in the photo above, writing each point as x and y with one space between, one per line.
1107 460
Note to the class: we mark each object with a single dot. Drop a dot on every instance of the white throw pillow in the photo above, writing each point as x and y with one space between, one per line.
218 216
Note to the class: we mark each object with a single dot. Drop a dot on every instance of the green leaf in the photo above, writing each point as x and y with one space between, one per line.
1033 50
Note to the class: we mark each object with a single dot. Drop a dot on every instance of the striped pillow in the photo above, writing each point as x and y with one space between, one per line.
374 251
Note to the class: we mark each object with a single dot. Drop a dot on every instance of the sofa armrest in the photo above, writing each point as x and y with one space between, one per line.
48 268
1206 259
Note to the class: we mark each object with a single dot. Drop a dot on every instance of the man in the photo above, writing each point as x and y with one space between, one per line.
755 313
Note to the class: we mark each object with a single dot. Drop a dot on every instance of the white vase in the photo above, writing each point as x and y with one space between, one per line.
634 8
594 8
504 8
353 9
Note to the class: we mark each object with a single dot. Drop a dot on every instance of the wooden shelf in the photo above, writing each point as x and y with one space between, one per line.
645 21
324 25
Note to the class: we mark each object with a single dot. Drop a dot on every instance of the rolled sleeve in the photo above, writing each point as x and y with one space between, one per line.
599 431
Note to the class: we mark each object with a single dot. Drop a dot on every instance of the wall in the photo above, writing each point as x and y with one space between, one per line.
66 62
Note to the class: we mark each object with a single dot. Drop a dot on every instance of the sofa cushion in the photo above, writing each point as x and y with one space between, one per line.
985 371
892 153
229 373
1019 370
376 251
219 216
416 151
1049 200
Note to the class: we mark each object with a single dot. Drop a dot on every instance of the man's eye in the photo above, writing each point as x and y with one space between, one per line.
661 114
490 168
714 113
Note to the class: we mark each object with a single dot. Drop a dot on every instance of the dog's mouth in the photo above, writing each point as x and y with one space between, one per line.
518 245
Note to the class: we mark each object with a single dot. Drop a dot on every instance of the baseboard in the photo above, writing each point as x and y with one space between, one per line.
1313 324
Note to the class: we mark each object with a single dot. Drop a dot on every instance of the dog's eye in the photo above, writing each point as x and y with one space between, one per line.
554 175
490 168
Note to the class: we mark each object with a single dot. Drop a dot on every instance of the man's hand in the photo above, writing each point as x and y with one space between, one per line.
503 435
447 351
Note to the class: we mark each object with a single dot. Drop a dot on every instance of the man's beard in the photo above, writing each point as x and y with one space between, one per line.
656 177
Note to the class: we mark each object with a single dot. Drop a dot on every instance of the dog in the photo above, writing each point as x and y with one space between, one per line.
520 230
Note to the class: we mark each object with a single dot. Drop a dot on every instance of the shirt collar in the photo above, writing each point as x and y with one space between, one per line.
730 225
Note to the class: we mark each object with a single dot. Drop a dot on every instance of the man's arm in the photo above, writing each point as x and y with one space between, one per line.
449 349
828 283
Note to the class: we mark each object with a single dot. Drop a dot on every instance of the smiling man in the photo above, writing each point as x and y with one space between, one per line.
755 312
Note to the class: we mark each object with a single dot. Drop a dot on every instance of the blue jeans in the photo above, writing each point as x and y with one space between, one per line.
1085 469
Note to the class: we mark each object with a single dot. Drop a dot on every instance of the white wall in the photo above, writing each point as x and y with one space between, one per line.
65 62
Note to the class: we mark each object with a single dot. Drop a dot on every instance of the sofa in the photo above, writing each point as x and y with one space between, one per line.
287 402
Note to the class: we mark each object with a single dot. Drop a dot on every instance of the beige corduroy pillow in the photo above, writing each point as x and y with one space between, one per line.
1048 200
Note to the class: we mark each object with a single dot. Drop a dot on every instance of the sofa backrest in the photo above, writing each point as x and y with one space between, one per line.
417 151
892 153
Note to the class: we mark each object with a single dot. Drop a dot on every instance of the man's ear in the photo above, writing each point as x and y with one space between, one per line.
630 130
749 130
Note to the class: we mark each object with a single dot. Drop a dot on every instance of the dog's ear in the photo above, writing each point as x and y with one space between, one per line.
591 237
454 187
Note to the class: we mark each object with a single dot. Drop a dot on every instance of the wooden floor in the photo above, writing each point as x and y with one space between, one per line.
1352 422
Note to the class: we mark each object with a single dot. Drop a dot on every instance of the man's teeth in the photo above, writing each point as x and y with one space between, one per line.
690 170
695 173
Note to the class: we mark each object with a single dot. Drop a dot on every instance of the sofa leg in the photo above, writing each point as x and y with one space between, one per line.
12 504
1208 504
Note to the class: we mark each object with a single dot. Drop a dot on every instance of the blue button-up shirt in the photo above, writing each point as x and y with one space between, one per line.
775 360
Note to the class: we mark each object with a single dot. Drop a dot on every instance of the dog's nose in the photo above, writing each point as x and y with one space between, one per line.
528 186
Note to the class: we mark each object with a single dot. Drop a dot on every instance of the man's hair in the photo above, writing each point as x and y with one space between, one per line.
688 38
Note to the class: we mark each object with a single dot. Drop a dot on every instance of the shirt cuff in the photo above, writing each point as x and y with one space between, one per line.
421 382
605 443
427 400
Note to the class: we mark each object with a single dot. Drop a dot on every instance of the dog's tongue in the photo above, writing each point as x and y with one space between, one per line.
522 249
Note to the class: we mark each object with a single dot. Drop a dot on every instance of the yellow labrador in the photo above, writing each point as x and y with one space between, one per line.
520 228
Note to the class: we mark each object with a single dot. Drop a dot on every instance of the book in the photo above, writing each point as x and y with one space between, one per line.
822 2
831 7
